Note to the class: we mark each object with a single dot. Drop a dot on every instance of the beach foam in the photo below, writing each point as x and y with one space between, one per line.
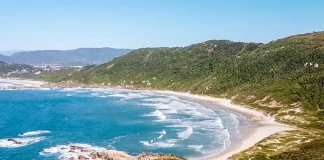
156 113
196 147
34 133
187 120
191 118
72 150
185 134
158 144
162 134
4 143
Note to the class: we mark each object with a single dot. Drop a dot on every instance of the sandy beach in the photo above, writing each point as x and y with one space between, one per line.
263 127
23 82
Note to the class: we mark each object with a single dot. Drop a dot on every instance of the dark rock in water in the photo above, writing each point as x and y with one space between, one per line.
84 150
99 155
15 141
78 148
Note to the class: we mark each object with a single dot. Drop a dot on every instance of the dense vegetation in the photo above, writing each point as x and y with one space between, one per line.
18 70
284 78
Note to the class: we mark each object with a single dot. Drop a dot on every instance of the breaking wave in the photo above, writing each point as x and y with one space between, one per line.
19 142
158 144
156 113
72 150
34 133
185 134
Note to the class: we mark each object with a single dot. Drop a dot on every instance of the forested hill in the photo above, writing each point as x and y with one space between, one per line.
18 70
286 72
284 78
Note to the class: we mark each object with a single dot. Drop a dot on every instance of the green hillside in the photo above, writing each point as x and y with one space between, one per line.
18 70
284 78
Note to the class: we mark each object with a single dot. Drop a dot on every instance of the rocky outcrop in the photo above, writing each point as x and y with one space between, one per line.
79 152
15 141
153 156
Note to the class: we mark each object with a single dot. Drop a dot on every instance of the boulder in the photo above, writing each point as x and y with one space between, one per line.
81 157
93 156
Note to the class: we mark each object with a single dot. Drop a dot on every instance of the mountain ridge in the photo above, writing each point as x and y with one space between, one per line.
80 56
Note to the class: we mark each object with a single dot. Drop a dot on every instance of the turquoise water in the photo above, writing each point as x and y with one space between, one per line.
130 121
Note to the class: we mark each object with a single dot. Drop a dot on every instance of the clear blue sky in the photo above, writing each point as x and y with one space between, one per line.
69 24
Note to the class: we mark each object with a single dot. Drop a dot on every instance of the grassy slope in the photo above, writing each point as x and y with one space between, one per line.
273 78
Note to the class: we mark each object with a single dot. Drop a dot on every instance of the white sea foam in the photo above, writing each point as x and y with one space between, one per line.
43 89
34 133
187 118
135 95
126 95
69 89
162 134
162 107
158 144
115 139
184 117
226 141
156 113
19 142
196 147
72 150
177 126
185 134
118 95
95 94
6 85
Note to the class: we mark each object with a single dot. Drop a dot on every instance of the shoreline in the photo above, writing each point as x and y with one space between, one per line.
264 125
23 82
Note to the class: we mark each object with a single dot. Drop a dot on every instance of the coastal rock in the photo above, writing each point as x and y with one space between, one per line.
93 156
15 141
81 157
153 156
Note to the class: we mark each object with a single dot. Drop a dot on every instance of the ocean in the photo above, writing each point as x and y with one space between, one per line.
131 121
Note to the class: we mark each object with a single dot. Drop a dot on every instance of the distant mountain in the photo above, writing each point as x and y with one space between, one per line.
10 52
4 58
81 56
